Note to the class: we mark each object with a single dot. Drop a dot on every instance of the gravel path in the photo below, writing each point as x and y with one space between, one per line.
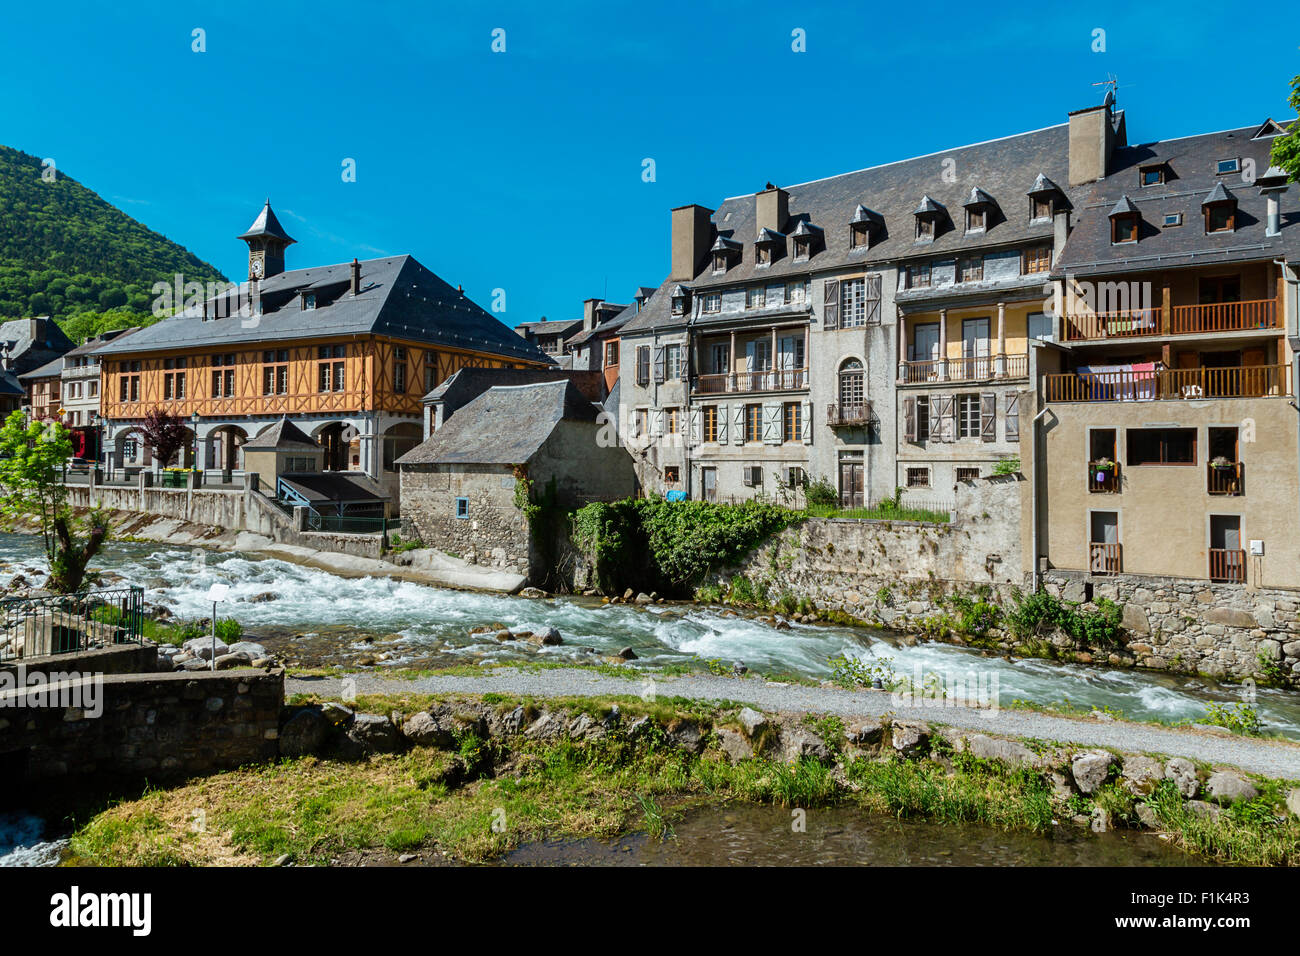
1267 757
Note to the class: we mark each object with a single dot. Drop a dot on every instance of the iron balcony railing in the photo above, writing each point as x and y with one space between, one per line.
968 368
1249 381
771 380
1103 478
1229 479
848 415
67 623
1228 565
1105 558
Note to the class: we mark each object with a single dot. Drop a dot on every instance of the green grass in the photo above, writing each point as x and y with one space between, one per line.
880 513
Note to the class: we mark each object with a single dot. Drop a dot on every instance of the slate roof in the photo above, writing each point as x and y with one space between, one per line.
26 353
281 435
9 385
463 386
49 370
549 326
506 425
91 346
1192 176
606 327
656 312
331 486
267 225
1004 170
398 298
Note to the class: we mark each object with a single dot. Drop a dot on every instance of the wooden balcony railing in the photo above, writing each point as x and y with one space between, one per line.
1251 381
856 414
771 380
968 368
1228 565
1227 479
1017 366
1183 320
1105 558
1103 480
916 372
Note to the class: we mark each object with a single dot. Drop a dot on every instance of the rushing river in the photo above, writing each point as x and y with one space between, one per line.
313 617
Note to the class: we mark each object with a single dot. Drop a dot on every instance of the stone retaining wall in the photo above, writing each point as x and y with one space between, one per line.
154 726
117 659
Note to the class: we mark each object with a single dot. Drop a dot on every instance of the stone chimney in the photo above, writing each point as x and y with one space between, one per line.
36 328
356 277
1271 186
771 209
692 237
589 308
1093 137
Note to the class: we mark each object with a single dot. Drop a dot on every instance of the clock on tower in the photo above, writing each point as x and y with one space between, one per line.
266 240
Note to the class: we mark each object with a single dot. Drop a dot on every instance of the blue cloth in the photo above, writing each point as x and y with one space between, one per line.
676 494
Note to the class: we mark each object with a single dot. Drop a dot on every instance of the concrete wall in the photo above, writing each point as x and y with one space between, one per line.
151 725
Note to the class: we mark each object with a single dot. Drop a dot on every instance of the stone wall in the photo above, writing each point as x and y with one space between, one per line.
1218 630
115 659
494 532
897 573
150 725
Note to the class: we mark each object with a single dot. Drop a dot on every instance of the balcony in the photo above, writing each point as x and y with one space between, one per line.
772 380
848 416
1225 479
978 368
1227 565
81 371
1105 558
1146 385
1103 478
1252 315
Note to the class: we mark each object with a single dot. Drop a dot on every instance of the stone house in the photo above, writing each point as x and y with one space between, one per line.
461 486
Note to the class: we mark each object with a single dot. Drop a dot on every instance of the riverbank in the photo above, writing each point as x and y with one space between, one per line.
467 778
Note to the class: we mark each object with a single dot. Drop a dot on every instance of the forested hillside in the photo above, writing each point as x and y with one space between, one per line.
67 253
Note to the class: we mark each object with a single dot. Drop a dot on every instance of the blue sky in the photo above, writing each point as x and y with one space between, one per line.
522 170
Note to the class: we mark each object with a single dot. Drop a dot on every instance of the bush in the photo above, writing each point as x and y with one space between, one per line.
821 493
229 630
1039 613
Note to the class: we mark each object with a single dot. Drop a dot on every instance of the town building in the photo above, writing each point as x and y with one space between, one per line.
344 351
550 335
544 443
464 386
1165 425
41 387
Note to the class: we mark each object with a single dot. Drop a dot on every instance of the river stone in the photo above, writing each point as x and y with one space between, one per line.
800 744
549 636
1293 801
264 597
1089 770
627 654
370 734
226 661
1202 809
1141 774
1135 619
532 593
1228 787
686 735
1183 773
196 664
1010 752
251 649
202 647
910 737
304 733
752 721
734 745
425 730
1147 816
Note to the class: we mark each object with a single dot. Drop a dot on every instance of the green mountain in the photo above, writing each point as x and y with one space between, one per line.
67 253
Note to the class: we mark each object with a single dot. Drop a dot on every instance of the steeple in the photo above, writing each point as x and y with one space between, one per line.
266 240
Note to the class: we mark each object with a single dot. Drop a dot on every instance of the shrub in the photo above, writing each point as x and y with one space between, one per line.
821 492
1041 612
229 630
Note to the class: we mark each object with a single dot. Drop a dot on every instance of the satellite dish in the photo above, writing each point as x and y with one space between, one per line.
1110 98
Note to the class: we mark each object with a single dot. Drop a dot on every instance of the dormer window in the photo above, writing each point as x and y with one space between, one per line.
927 217
1151 175
308 301
725 251
802 248
864 225
764 255
1041 208
1220 208
1124 221
1043 198
978 206
681 300
768 246
719 263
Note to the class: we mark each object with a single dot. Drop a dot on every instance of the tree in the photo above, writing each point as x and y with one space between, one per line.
1286 149
164 434
32 458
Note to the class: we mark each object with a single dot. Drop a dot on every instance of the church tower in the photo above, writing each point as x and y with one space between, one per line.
266 240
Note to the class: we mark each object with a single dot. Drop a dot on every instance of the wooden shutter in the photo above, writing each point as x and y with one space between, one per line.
656 422
694 427
1012 422
772 423
943 417
831 304
659 363
748 474
988 417
723 420
643 365
805 422
738 425
873 299
909 418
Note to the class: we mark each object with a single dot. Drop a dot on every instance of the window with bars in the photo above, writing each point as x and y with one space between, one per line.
792 422
853 302
968 416
918 477
967 474
1038 259
753 423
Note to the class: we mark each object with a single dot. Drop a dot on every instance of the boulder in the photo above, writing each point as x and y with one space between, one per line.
513 722
798 743
1141 774
1225 786
532 593
734 745
686 735
264 597
337 714
1147 816
202 647
425 730
1293 801
584 727
910 737
250 649
226 661
304 733
370 734
546 727
1183 773
638 727
627 654
196 664
1010 752
864 736
752 721
1089 770
1200 808
547 636
644 598
504 635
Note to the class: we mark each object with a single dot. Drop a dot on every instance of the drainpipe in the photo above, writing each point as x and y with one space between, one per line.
1292 313
1033 500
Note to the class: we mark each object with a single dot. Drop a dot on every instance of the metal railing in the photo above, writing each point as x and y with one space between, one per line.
1249 381
966 368
350 524
1229 479
67 623
1105 558
856 413
1103 480
1228 565
770 380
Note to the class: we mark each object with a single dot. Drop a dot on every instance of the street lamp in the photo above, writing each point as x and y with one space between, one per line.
194 422
97 421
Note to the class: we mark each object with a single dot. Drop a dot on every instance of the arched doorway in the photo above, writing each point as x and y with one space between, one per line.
130 450
225 448
398 440
342 446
